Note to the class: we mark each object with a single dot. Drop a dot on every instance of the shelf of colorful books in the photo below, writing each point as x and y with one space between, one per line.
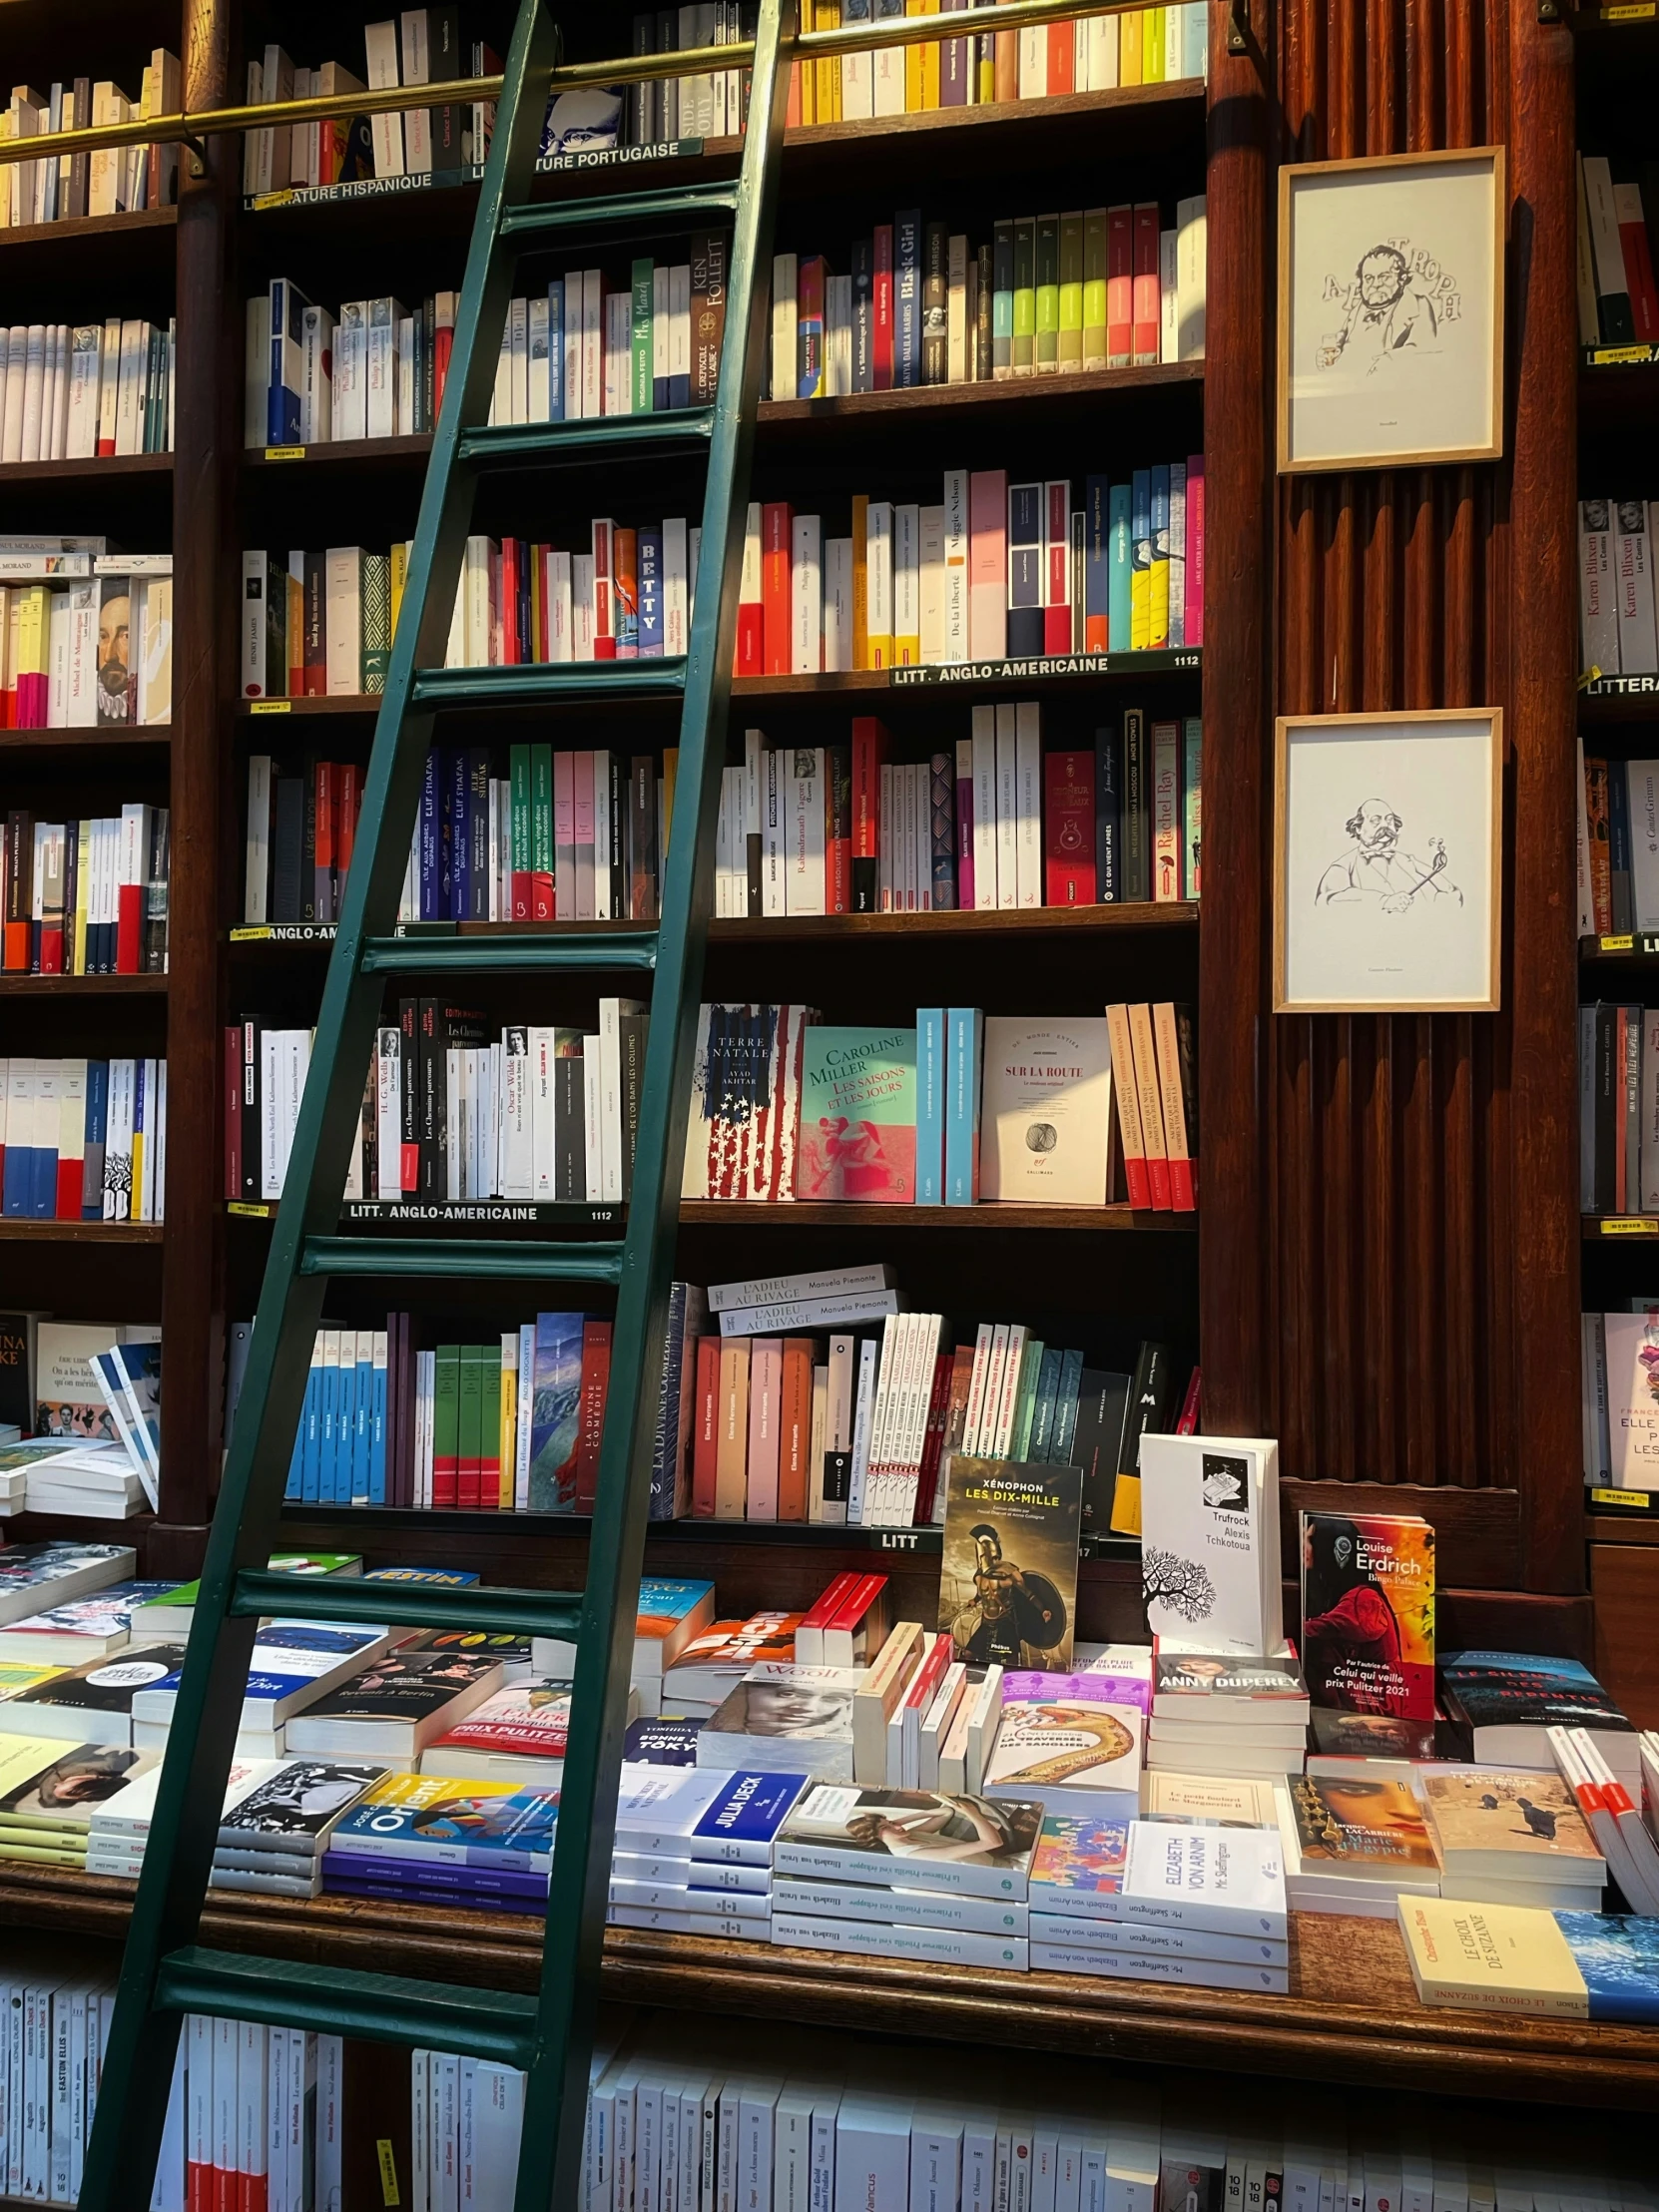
101 737
707 1213
99 468
16 1231
82 987
1350 2017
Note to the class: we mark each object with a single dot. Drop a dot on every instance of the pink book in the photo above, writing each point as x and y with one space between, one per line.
582 818
988 564
564 834
1146 306
766 1391
604 622
1193 631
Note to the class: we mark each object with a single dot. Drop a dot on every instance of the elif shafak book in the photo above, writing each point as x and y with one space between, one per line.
1368 1612
1009 1575
1210 1544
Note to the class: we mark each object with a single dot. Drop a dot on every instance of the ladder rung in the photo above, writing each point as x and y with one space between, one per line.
342 2000
630 214
472 1262
524 952
547 683
261 1592
606 439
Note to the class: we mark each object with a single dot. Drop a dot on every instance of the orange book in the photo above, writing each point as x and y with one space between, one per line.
1007 65
1149 1105
1174 1095
731 1440
776 520
794 1429
1062 50
1127 1094
706 1431
766 1383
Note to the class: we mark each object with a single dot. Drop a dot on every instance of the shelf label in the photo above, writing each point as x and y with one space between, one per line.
1630 11
1160 661
1640 1499
389 2192
1606 355
1623 686
609 156
284 452
251 933
269 705
249 1211
1626 943
1630 1225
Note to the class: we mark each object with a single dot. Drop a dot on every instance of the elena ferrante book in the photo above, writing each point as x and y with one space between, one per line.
858 1116
1009 1575
1210 1544
1045 1112
1368 1612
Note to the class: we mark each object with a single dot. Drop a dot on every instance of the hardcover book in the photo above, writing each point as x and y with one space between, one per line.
922 1838
1210 1544
1008 1574
1045 1112
858 1116
1368 1612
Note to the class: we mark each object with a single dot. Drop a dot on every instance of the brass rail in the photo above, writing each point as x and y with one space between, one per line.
631 69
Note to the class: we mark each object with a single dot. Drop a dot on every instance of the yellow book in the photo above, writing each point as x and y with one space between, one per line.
399 570
1152 46
861 580
806 77
828 88
1069 352
1130 42
930 62
915 98
507 1449
1157 603
82 891
1140 608
1491 1959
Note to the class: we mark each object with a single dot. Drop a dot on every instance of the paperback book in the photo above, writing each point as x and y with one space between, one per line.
1368 1612
1008 1573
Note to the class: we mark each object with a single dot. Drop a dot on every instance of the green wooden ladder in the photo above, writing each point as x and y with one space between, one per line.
164 1973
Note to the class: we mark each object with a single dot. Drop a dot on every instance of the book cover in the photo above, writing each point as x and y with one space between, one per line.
1008 1573
1078 1860
1617 1956
1360 1825
1632 1398
933 1839
294 1810
744 1130
1231 1880
809 1709
1368 1612
660 1742
1072 1746
1491 1957
555 1412
1210 1544
1495 1689
1045 1111
46 1787
1505 1824
482 1824
1185 1682
859 1115
403 1686
525 1717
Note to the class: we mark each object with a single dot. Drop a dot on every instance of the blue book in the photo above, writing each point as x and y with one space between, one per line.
97 1130
662 1743
1108 824
43 1155
931 1106
287 357
432 908
555 1407
864 314
965 1029
1120 565
906 295
1064 1431
1097 564
400 1819
1042 1412
362 1426
651 595
460 835
377 1434
328 1466
311 1480
556 350
1618 1955
295 1489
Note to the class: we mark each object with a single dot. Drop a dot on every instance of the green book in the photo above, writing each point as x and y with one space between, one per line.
541 833
447 1424
1153 46
1071 290
644 363
1002 298
518 834
469 1446
858 1116
1048 292
1025 297
1094 288
1025 1404
1042 1416
376 629
489 1427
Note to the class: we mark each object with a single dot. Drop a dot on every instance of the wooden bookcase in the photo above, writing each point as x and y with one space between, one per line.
1384 1269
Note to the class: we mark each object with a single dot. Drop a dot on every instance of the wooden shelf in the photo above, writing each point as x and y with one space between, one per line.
82 987
1351 2015
81 1232
499 1213
64 473
80 227
1613 699
363 452
100 735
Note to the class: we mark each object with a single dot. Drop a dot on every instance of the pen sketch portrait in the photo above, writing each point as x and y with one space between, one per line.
1387 862
1390 310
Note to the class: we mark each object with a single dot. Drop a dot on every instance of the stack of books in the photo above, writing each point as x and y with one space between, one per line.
432 1839
274 1832
294 1663
1072 1741
1160 1901
87 1629
516 1736
391 1710
32 1574
670 1613
708 1668
1511 1839
1354 1845
1216 1713
48 1796
906 1873
694 1850
118 1830
95 1703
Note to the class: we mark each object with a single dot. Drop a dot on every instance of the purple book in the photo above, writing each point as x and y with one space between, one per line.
479 1900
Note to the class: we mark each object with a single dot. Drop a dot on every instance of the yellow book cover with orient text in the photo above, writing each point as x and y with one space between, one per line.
1491 1959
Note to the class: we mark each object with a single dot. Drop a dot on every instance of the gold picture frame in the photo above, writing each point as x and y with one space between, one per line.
1380 263
1388 861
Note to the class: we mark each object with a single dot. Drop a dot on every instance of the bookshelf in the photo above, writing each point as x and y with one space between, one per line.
1384 1272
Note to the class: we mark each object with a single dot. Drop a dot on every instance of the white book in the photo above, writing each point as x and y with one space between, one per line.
931 617
593 1121
878 616
984 806
906 585
838 336
1633 588
785 326
837 605
617 397
1597 601
350 379
385 131
416 69
673 587
1028 804
1191 256
538 395
1642 785
343 619
85 361
385 316
316 376
571 379
518 354
593 341
1006 816
807 595
1230 1881
1054 1077
1210 1537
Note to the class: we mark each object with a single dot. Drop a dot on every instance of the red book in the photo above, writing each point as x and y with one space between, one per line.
129 928
706 1432
1119 286
1187 1421
816 1619
869 752
881 344
1057 565
327 811
625 593
750 658
1638 264
1146 306
443 344
938 1409
1061 59
232 1115
837 826
590 1410
512 650
1068 830
776 518
348 785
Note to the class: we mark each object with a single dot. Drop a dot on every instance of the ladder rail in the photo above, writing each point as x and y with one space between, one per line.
131 2111
550 2160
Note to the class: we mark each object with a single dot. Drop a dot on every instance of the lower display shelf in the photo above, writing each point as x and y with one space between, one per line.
1351 2015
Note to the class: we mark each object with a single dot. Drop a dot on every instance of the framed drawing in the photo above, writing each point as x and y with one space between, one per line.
1387 863
1390 310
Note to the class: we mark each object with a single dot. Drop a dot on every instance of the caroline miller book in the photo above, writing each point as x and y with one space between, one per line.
925 1839
1064 1740
858 1116
1045 1113
1504 1702
1514 1959
33 1575
1510 1827
798 1717
1209 1522
1009 1575
296 1809
396 1705
92 1705
43 1786
1368 1612
451 1821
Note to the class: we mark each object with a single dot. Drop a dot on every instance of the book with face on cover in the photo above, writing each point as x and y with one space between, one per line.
1221 1689
34 1576
1009 1575
86 1629
928 1839
1518 1827
798 1717
1362 1827
45 1786
516 1734
1368 1612
294 1810
397 1704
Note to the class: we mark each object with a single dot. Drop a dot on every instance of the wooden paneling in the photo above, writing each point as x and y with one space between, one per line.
1624 1581
1388 1275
